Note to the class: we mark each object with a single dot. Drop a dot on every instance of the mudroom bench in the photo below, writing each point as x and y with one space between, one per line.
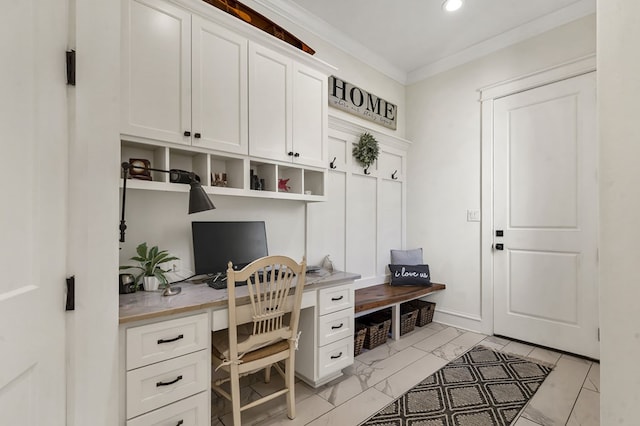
381 296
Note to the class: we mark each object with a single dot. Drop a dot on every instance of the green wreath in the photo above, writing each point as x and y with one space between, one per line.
366 150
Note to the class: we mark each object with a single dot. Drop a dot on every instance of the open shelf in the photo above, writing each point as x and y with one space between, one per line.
303 183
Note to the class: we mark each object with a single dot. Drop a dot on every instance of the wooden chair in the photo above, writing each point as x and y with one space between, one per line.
263 331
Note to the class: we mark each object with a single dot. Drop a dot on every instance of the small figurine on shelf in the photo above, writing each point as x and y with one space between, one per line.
220 179
282 185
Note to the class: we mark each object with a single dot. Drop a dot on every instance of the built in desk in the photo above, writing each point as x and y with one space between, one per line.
165 344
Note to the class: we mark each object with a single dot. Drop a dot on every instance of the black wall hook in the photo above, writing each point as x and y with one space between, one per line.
366 171
393 175
332 164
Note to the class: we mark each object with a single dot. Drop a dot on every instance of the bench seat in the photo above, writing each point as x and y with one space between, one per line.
374 298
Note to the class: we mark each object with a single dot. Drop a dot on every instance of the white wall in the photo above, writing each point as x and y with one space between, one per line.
618 94
92 329
161 219
444 165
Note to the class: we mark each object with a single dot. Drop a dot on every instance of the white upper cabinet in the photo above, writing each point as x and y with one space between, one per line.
156 70
287 109
270 87
309 116
219 94
183 81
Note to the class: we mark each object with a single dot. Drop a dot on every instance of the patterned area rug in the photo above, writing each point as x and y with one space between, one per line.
480 388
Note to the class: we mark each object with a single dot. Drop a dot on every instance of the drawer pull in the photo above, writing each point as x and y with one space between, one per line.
181 422
161 341
336 356
335 327
173 381
335 299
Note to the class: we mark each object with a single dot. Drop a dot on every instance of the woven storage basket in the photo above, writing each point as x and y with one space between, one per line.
377 325
425 311
358 339
408 318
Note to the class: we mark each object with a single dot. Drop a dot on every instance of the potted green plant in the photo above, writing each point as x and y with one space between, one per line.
149 261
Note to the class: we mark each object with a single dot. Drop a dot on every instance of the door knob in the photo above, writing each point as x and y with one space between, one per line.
197 135
499 246
187 133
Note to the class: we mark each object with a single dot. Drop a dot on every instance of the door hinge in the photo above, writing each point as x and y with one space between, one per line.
71 294
71 67
598 334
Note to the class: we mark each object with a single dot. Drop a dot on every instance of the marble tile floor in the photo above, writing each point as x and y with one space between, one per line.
569 396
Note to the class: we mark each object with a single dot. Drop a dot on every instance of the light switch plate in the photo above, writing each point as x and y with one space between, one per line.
473 215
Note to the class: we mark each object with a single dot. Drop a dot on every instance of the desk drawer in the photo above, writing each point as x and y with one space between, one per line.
160 384
335 326
335 356
335 299
193 411
163 340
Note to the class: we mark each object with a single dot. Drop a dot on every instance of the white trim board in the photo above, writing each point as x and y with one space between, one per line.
562 71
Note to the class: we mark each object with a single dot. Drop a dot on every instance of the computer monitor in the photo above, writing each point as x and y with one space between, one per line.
217 243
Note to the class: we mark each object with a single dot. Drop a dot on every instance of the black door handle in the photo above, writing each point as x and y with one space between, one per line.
197 135
499 246
187 133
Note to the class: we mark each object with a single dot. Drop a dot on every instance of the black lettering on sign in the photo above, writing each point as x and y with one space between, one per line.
356 101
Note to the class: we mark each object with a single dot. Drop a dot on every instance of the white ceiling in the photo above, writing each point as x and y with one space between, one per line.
411 39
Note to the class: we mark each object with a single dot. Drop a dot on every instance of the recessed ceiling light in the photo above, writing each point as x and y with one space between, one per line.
451 5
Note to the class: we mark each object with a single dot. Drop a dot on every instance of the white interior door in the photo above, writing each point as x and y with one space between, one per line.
545 202
33 37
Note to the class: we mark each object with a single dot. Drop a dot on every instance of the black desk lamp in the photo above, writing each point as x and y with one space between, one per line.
199 201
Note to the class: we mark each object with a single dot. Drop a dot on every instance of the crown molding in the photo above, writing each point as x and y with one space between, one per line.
506 39
301 17
334 36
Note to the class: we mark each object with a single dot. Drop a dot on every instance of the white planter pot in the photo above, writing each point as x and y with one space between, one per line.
150 283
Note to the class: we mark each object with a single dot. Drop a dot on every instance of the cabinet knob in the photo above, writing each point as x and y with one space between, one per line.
297 154
187 133
290 153
197 135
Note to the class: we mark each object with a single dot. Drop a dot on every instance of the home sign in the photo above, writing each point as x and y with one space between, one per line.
352 99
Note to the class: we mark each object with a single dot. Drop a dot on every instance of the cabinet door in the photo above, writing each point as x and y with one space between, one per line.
309 116
156 71
269 104
219 92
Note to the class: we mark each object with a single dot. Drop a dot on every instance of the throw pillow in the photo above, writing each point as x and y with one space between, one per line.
406 257
410 275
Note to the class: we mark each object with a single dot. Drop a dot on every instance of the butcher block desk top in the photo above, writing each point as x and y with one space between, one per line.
383 295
